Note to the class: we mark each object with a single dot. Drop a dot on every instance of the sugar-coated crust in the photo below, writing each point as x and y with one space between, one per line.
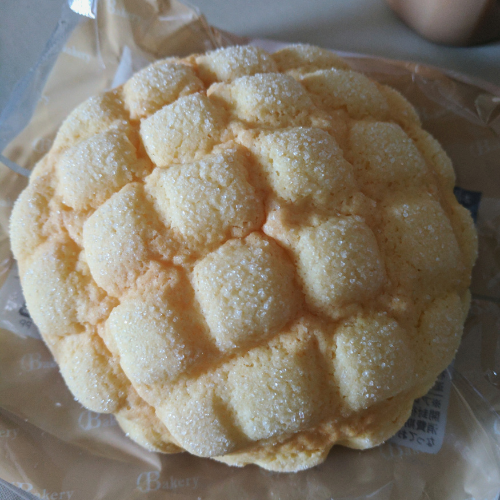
249 256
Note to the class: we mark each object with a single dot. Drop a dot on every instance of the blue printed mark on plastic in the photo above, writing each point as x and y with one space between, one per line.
469 199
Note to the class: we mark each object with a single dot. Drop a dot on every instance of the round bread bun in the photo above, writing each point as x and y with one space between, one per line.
247 256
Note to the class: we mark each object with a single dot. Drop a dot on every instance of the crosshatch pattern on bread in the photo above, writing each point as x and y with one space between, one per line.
248 256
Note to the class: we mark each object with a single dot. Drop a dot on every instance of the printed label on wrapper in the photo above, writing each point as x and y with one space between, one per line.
424 430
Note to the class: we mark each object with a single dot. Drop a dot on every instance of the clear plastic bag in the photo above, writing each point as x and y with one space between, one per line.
52 447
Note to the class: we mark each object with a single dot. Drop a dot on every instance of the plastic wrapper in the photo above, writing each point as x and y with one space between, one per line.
52 447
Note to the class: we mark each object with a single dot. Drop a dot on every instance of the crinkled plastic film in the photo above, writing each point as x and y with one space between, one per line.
53 448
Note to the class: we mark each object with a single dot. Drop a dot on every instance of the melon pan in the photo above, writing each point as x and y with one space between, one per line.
247 256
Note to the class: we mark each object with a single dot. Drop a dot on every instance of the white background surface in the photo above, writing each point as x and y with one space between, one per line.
364 26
